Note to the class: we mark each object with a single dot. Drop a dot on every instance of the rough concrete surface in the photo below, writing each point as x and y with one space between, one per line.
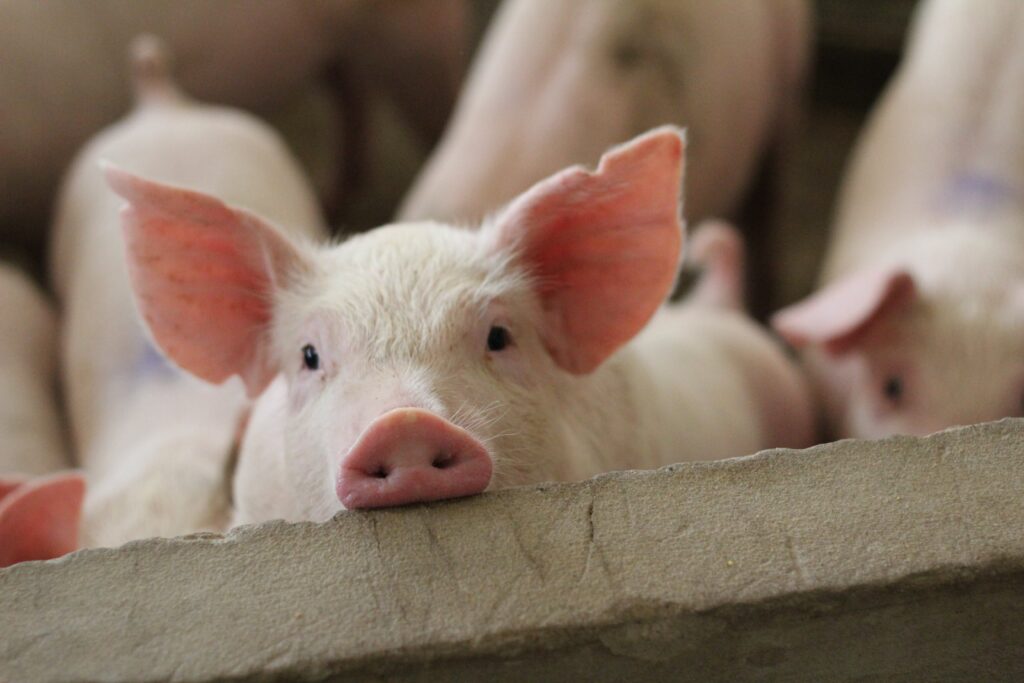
895 560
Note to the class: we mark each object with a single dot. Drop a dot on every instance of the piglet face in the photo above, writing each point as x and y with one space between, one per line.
897 352
422 361
936 368
416 338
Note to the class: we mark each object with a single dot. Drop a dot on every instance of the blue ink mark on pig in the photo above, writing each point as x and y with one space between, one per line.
977 191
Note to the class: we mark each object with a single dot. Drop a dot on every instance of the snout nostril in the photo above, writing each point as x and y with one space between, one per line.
379 473
443 460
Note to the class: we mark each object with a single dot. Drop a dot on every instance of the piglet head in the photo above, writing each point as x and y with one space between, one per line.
895 352
418 361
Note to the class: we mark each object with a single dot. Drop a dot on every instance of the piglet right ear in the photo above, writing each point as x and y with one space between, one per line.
602 246
204 277
839 315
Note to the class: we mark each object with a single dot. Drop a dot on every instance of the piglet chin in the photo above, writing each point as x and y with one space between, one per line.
410 455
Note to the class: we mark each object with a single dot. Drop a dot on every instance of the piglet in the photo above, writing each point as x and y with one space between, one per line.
156 444
558 82
919 322
61 78
31 435
423 361
40 502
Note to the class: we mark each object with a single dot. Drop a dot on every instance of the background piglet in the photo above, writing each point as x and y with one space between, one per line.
919 324
557 83
39 502
422 361
31 434
155 443
61 80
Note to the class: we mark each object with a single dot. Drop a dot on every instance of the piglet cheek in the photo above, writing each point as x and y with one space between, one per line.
303 389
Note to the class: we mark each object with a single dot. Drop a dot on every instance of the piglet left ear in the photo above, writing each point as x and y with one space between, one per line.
602 247
204 277
839 316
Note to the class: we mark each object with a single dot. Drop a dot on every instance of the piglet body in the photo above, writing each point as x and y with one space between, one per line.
40 505
155 443
558 83
62 80
32 441
422 361
919 324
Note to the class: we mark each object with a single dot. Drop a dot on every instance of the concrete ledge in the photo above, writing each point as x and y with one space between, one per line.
896 560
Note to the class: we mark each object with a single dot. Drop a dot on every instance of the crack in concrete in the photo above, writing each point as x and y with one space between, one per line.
588 542
450 569
803 579
534 564
242 599
945 463
377 567
28 645
594 548
375 532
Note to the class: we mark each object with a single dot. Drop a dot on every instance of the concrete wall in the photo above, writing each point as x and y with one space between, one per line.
896 560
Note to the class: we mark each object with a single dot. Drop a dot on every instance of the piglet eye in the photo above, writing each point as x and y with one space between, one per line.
310 358
498 339
893 389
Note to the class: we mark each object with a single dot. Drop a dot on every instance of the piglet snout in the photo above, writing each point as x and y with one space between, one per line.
411 455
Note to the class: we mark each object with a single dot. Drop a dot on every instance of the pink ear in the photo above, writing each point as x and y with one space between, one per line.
8 484
603 246
39 519
841 313
204 276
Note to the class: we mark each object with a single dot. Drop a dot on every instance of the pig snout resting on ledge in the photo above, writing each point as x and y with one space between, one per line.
155 443
919 324
423 361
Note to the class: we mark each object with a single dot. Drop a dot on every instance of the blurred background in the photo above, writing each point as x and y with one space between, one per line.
857 50
389 122
857 47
